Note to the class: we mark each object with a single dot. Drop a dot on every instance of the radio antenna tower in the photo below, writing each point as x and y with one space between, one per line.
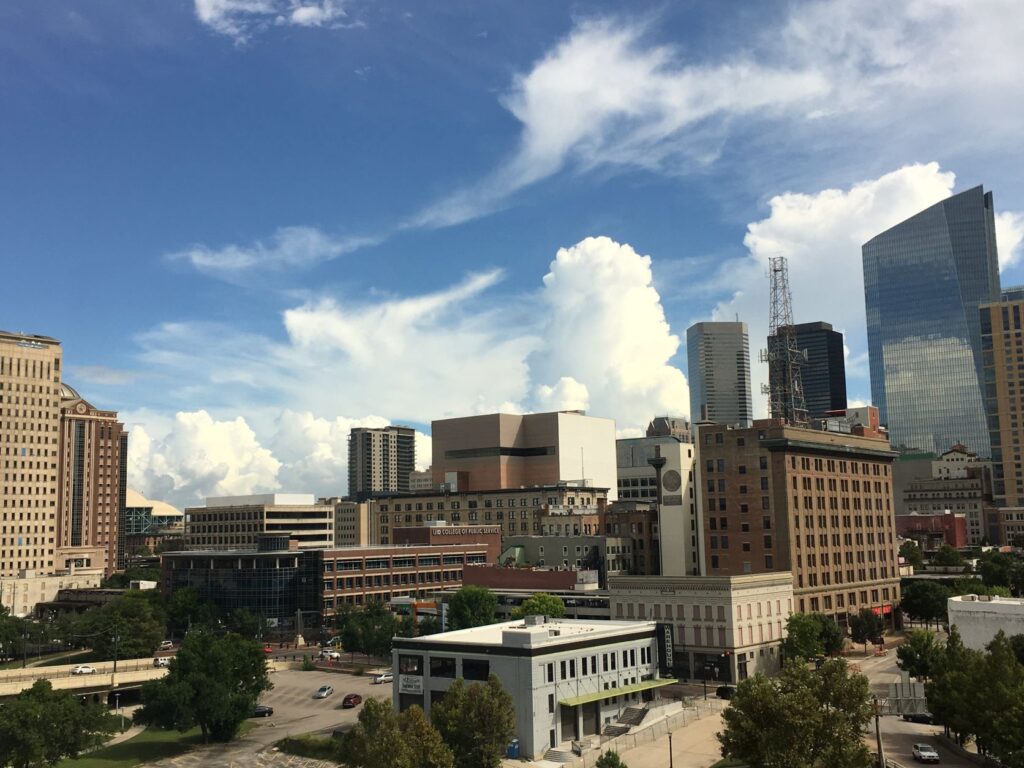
785 383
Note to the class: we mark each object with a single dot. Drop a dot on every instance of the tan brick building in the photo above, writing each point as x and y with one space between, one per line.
92 476
816 503
1002 343
29 447
519 511
236 522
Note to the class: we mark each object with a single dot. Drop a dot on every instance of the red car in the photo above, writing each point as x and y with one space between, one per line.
268 649
351 700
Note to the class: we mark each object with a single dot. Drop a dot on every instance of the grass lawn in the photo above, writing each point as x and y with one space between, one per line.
151 744
75 657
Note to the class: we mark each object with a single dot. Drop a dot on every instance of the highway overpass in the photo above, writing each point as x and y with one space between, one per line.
131 673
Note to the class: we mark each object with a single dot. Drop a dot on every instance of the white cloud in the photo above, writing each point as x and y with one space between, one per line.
821 235
1009 238
605 329
238 19
567 395
289 248
100 374
603 96
199 456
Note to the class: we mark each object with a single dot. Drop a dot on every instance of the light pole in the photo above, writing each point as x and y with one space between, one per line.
670 763
117 639
117 706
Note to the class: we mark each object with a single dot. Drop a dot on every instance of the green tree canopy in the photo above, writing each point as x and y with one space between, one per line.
1017 643
972 586
925 601
213 682
541 604
912 554
472 606
41 726
186 609
947 556
610 759
919 656
124 579
370 630
952 689
375 741
866 627
247 624
803 637
129 627
424 741
803 717
1000 716
830 634
477 722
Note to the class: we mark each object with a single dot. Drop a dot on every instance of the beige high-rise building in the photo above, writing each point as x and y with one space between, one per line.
380 460
351 521
29 419
502 450
818 504
92 476
1002 344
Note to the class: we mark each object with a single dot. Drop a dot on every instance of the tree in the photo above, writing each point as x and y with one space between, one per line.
805 717
911 553
925 601
247 624
375 741
974 586
866 626
803 637
830 633
129 627
1017 643
429 625
41 726
186 609
213 682
1000 721
952 688
947 556
610 759
472 606
424 741
541 604
124 579
476 722
919 655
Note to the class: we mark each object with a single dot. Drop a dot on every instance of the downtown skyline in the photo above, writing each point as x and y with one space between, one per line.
262 229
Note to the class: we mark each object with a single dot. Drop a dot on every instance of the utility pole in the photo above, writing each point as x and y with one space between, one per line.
878 735
670 763
785 382
117 639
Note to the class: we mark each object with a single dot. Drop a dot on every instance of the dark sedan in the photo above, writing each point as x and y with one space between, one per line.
262 710
351 700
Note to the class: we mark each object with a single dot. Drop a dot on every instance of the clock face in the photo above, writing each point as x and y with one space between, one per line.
80 407
671 480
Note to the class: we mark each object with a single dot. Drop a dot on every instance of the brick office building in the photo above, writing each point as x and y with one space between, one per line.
816 503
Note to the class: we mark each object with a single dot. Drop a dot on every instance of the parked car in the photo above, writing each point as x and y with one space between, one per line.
351 700
83 669
166 645
919 717
162 661
725 692
383 677
262 710
331 655
268 649
323 692
925 753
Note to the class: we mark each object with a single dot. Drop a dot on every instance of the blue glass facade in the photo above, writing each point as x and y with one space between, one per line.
924 280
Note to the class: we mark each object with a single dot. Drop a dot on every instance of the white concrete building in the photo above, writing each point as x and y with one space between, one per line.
980 617
730 627
680 515
568 678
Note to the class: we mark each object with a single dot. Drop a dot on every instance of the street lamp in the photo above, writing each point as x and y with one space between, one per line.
878 735
117 706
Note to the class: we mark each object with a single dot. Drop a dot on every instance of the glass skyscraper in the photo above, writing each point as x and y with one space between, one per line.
924 280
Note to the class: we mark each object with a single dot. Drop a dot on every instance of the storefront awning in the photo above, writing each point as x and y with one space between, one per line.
587 698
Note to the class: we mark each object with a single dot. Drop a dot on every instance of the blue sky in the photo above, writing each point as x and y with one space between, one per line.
263 221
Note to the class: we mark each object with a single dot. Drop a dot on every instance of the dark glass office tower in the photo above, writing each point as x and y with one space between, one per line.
824 375
923 282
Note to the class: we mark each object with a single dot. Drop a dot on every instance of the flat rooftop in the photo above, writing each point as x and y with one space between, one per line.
521 634
264 499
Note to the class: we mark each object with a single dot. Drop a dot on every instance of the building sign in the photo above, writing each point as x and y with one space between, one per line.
466 530
672 501
666 640
410 684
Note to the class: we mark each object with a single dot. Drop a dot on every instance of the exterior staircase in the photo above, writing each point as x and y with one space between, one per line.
632 716
559 755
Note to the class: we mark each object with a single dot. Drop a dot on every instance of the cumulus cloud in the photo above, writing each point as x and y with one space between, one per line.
289 248
821 235
199 456
605 330
1009 238
239 19
593 336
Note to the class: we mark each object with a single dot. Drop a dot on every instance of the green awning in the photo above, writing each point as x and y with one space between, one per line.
647 685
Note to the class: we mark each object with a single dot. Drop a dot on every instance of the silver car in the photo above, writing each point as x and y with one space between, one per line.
323 692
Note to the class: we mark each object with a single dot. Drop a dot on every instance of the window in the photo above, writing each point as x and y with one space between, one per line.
410 665
476 669
442 668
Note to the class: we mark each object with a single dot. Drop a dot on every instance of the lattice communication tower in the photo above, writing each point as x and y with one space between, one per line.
785 383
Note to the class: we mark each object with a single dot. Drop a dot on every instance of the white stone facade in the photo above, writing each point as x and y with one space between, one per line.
980 617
